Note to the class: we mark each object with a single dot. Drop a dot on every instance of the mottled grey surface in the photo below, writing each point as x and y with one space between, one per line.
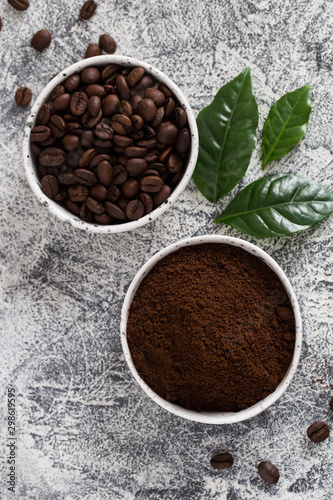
85 429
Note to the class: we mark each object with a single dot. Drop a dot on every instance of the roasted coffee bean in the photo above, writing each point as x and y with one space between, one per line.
183 140
73 159
125 108
90 121
88 9
78 104
107 43
156 95
42 170
23 96
103 145
135 75
147 143
134 210
180 117
86 214
57 126
36 149
72 207
104 132
72 83
174 163
162 195
130 189
122 87
62 195
70 142
94 206
146 81
122 202
151 171
167 132
101 157
44 114
109 71
137 121
109 89
119 175
118 150
87 139
94 105
50 186
318 432
136 166
68 179
57 92
151 156
151 184
159 117
41 40
48 142
61 103
95 89
99 192
149 132
268 472
169 107
19 4
134 101
92 50
176 178
78 193
121 124
52 157
87 157
40 133
110 104
163 88
137 135
71 119
113 193
74 128
90 75
331 404
135 152
147 202
86 177
114 211
104 219
165 153
146 108
222 461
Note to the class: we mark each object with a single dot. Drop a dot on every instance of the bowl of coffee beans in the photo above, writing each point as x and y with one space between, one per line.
211 329
110 144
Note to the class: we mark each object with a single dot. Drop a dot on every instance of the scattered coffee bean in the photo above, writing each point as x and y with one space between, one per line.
88 9
318 432
114 154
222 461
107 43
19 4
92 50
23 96
268 472
41 40
331 404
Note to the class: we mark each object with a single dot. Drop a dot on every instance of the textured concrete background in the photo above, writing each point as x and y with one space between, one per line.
85 430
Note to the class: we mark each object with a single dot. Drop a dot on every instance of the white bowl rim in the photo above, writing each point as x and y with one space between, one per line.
214 417
43 97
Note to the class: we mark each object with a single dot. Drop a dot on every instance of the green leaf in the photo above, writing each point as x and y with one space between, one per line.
227 138
286 124
277 205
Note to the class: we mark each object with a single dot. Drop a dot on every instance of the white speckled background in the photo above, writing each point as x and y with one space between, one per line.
85 429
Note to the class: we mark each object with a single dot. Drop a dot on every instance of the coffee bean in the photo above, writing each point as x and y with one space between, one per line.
86 177
107 44
151 171
101 157
99 192
134 210
104 219
92 50
167 132
180 117
122 87
151 156
74 128
165 153
135 76
268 472
94 206
183 140
62 194
331 404
137 121
149 131
90 75
146 108
135 152
36 149
52 157
109 71
318 432
90 121
122 202
115 211
86 214
169 107
130 189
163 88
176 178
125 108
222 461
78 193
147 143
70 142
78 104
105 172
121 124
57 126
87 139
151 184
104 132
113 194
61 103
41 40
135 99
72 83
174 163
72 159
95 90
156 95
147 201
72 207
162 195
87 157
44 114
110 104
23 96
19 4
40 133
94 105
88 9
50 186
146 81
159 117
119 174
57 92
136 166
68 179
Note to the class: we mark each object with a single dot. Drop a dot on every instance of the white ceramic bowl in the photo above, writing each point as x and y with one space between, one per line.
44 97
213 417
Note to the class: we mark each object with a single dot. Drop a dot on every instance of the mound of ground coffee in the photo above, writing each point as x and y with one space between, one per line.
211 328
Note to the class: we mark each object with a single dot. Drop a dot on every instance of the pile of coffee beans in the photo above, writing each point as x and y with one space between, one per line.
111 145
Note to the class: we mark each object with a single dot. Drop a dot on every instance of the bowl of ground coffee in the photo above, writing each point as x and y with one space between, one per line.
211 329
110 144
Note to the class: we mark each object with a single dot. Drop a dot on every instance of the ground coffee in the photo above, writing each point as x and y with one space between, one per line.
211 328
